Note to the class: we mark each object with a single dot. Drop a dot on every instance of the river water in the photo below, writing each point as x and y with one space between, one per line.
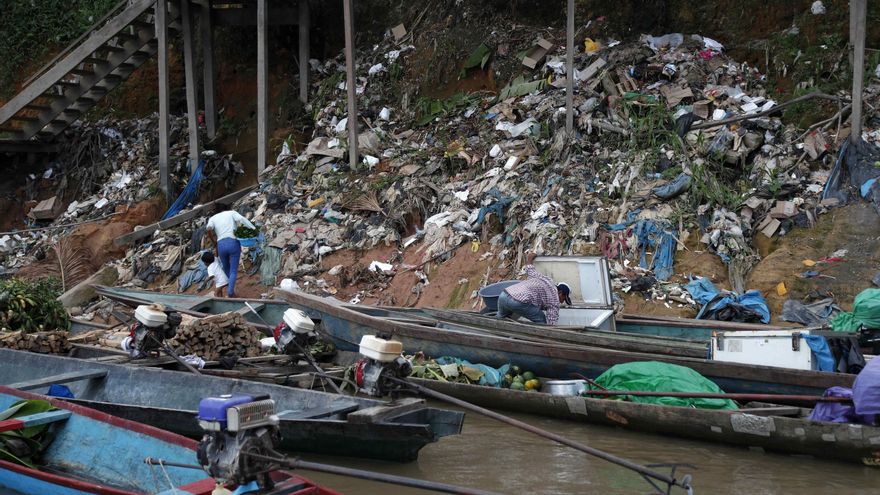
493 456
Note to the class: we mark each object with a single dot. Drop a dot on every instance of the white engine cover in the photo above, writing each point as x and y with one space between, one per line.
381 350
150 316
298 321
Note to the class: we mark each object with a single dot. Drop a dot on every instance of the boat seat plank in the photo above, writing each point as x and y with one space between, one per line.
381 413
321 412
74 376
244 311
33 420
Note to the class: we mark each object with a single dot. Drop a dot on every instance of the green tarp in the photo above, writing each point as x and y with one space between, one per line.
652 376
866 311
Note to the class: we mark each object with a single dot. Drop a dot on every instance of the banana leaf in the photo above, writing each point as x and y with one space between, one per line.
23 446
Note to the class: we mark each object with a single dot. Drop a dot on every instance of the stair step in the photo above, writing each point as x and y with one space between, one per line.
94 60
111 48
82 72
112 77
38 108
69 84
87 99
22 118
72 111
52 96
127 36
141 23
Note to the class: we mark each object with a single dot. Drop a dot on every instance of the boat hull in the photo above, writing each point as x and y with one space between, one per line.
169 400
799 436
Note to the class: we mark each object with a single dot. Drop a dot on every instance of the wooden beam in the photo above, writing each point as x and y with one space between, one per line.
262 86
304 26
178 219
74 376
186 19
209 72
857 19
382 413
351 83
569 70
164 102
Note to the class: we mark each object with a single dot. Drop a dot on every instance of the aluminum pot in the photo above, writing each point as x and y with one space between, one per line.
564 387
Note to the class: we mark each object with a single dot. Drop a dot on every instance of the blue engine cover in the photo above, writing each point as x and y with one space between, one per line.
214 408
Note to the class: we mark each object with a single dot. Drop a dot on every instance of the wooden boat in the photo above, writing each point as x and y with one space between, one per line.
311 421
770 427
95 453
272 311
346 326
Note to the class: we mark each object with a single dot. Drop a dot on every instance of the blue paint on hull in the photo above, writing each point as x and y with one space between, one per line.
26 485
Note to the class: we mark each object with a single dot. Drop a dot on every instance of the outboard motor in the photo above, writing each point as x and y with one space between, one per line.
234 426
295 328
153 326
382 360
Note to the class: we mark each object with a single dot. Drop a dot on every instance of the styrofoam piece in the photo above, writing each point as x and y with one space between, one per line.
150 316
380 350
298 321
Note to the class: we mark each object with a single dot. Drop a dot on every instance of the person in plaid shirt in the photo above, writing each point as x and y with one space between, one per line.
537 298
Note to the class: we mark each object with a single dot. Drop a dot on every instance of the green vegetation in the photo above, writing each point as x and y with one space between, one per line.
427 109
32 306
29 29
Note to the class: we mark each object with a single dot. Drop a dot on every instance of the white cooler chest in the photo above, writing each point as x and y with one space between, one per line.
780 348
591 293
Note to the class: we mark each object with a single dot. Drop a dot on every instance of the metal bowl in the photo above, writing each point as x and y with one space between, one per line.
564 387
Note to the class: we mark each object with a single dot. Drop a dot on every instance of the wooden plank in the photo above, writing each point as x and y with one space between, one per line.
304 26
209 73
76 56
262 86
321 412
351 84
59 379
161 20
34 420
774 411
191 89
178 219
379 414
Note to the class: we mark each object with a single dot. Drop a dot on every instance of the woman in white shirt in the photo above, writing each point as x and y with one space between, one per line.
221 231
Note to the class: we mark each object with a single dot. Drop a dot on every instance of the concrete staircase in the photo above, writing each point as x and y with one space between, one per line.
86 71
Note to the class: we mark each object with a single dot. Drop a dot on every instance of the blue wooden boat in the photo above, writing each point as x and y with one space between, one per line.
310 421
346 325
94 453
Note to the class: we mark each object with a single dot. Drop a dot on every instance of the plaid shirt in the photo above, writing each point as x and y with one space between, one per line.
538 290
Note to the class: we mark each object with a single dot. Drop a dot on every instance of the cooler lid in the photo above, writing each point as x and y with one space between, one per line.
587 276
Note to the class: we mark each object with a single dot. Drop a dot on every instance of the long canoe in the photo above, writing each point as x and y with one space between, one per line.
346 326
775 428
311 421
95 453
272 310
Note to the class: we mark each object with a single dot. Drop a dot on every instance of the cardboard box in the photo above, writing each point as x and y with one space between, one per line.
537 53
48 209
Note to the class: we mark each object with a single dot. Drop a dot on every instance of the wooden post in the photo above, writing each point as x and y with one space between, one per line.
191 90
209 72
262 86
569 71
858 12
304 26
351 84
162 38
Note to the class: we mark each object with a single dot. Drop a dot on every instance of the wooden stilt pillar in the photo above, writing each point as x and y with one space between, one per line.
351 84
209 72
191 90
162 38
304 26
569 71
857 18
262 86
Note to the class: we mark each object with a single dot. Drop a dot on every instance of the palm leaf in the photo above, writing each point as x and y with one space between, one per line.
72 265
365 202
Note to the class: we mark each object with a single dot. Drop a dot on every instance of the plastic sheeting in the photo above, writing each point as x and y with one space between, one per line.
655 235
855 164
491 376
194 276
866 311
812 315
673 188
653 376
838 412
189 193
866 389
821 352
270 265
750 307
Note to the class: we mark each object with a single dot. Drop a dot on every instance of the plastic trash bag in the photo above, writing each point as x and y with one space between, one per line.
673 188
866 311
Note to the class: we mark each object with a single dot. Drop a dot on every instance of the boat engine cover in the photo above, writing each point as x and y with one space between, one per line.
374 377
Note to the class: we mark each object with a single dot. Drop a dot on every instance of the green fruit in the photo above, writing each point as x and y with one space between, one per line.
528 375
517 386
515 370
518 379
508 377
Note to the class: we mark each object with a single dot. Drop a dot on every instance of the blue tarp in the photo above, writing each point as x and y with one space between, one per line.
657 236
189 193
821 351
194 276
673 188
728 305
497 207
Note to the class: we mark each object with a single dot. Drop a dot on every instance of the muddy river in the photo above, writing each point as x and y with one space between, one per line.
494 456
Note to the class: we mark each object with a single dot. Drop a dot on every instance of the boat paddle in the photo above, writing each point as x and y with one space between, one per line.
289 463
306 354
